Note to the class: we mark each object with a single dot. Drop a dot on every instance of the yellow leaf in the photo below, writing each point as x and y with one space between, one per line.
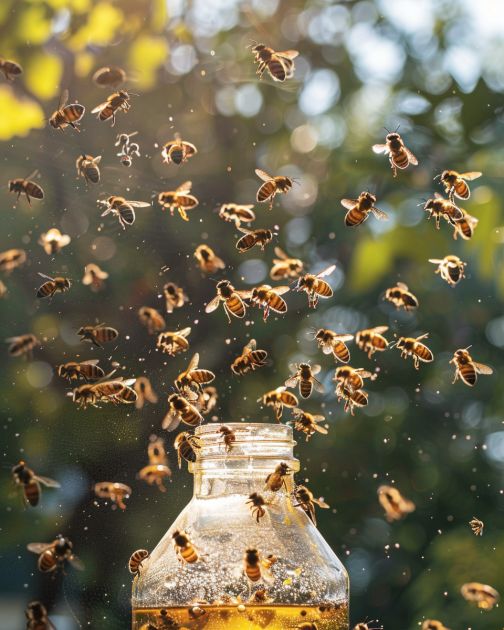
43 75
18 117
146 55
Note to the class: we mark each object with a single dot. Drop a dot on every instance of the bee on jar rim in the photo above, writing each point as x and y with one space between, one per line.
22 345
237 213
278 399
466 368
275 481
53 286
401 297
136 560
308 423
353 398
207 400
250 359
438 207
151 319
11 259
231 299
27 187
483 595
333 343
285 267
123 209
88 370
94 277
208 260
455 184
98 334
306 501
315 287
271 187
398 153
144 392
260 237
67 115
228 436
465 226
450 268
116 102
304 376
359 209
280 65
184 548
175 296
193 378
179 199
116 391
412 346
477 526
52 556
109 76
352 378
53 241
181 410
10 69
178 151
433 624
36 617
256 503
172 343
87 167
29 481
308 625
395 505
268 298
115 491
187 447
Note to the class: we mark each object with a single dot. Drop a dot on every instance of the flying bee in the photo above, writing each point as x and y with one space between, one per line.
398 154
278 399
334 343
315 287
450 268
272 186
53 555
116 391
175 296
109 76
438 207
155 474
207 400
237 213
172 343
483 595
144 392
231 299
151 319
87 167
193 377
433 624
304 376
11 259
352 378
412 346
179 199
156 451
10 69
98 334
360 209
122 208
53 286
116 102
187 447
260 237
307 502
67 115
115 491
27 187
257 503
477 526
466 368
228 436
36 616
178 151
465 226
308 423
94 277
136 560
88 370
353 398
30 483
285 267
53 241
268 298
395 505
181 410
276 480
455 184
208 260
250 359
401 297
184 548
22 345
280 65
3 290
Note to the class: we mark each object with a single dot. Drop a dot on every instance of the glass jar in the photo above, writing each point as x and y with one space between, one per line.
301 580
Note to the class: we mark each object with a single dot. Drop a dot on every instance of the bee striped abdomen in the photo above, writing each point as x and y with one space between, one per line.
355 217
48 289
266 191
324 289
462 189
277 69
235 306
341 352
32 493
305 388
34 190
423 352
105 334
47 561
400 158
468 373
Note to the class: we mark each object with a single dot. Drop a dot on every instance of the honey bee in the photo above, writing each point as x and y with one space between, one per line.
395 505
249 360
175 296
115 491
151 319
98 334
10 69
260 597
359 209
53 286
272 186
144 392
67 115
178 151
232 300
228 436
156 451
53 555
237 213
207 400
465 226
308 423
455 184
181 410
27 187
353 398
280 65
122 208
352 378
466 368
109 76
438 207
276 480
193 377
257 504
311 625
184 548
94 277
304 376
483 595
187 447
22 345
477 526
278 399
155 474
30 483
315 287
11 259
398 154
433 624
412 346
307 502
401 297
172 343
116 391
260 237
333 342
450 268
208 260
179 199
3 290
285 267
268 298
36 616
252 565
87 167
116 102
53 241
88 370
136 560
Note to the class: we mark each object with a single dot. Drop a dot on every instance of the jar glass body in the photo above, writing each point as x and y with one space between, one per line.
307 582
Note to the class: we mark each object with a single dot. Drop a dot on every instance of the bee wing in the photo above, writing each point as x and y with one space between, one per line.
379 148
185 332
139 204
403 285
291 381
280 253
76 563
317 385
364 373
435 261
281 290
263 175
244 230
171 421
424 336
321 503
471 175
64 240
379 214
193 363
315 369
437 196
481 368
379 329
34 174
43 275
288 54
38 547
411 157
184 188
245 294
63 99
252 345
348 203
344 337
327 348
90 362
99 108
50 483
212 305
326 272
318 428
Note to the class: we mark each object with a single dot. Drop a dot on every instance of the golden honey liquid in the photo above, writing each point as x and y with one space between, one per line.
248 617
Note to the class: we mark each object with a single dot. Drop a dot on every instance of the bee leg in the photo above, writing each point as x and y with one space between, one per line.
27 198
455 379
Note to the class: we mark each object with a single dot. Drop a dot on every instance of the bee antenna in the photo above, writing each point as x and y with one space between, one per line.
397 128
422 202
253 43
437 176
387 130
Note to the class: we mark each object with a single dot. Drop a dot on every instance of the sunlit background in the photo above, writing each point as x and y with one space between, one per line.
434 68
